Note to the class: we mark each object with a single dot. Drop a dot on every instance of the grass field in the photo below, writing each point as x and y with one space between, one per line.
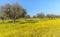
30 28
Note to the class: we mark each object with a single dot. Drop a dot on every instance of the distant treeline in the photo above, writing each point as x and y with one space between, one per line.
49 16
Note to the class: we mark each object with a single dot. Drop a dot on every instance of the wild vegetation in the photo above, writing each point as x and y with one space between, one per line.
33 27
15 22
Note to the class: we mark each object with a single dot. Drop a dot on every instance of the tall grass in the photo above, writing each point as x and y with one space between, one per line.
30 28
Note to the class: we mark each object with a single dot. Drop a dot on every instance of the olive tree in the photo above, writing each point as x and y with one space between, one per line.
41 15
13 11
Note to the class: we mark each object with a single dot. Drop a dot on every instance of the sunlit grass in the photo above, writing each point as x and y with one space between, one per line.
22 28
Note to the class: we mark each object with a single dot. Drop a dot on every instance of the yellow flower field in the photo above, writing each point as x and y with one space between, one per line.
40 28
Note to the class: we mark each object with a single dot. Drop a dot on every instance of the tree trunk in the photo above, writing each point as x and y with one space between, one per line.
2 21
13 21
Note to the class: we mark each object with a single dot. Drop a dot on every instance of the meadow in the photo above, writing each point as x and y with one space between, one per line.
30 28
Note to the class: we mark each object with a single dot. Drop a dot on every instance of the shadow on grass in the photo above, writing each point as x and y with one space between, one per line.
17 22
22 22
31 21
11 21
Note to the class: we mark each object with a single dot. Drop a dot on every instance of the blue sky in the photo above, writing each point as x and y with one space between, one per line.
37 6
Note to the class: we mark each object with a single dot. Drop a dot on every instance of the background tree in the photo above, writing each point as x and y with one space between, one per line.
27 16
34 16
41 15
